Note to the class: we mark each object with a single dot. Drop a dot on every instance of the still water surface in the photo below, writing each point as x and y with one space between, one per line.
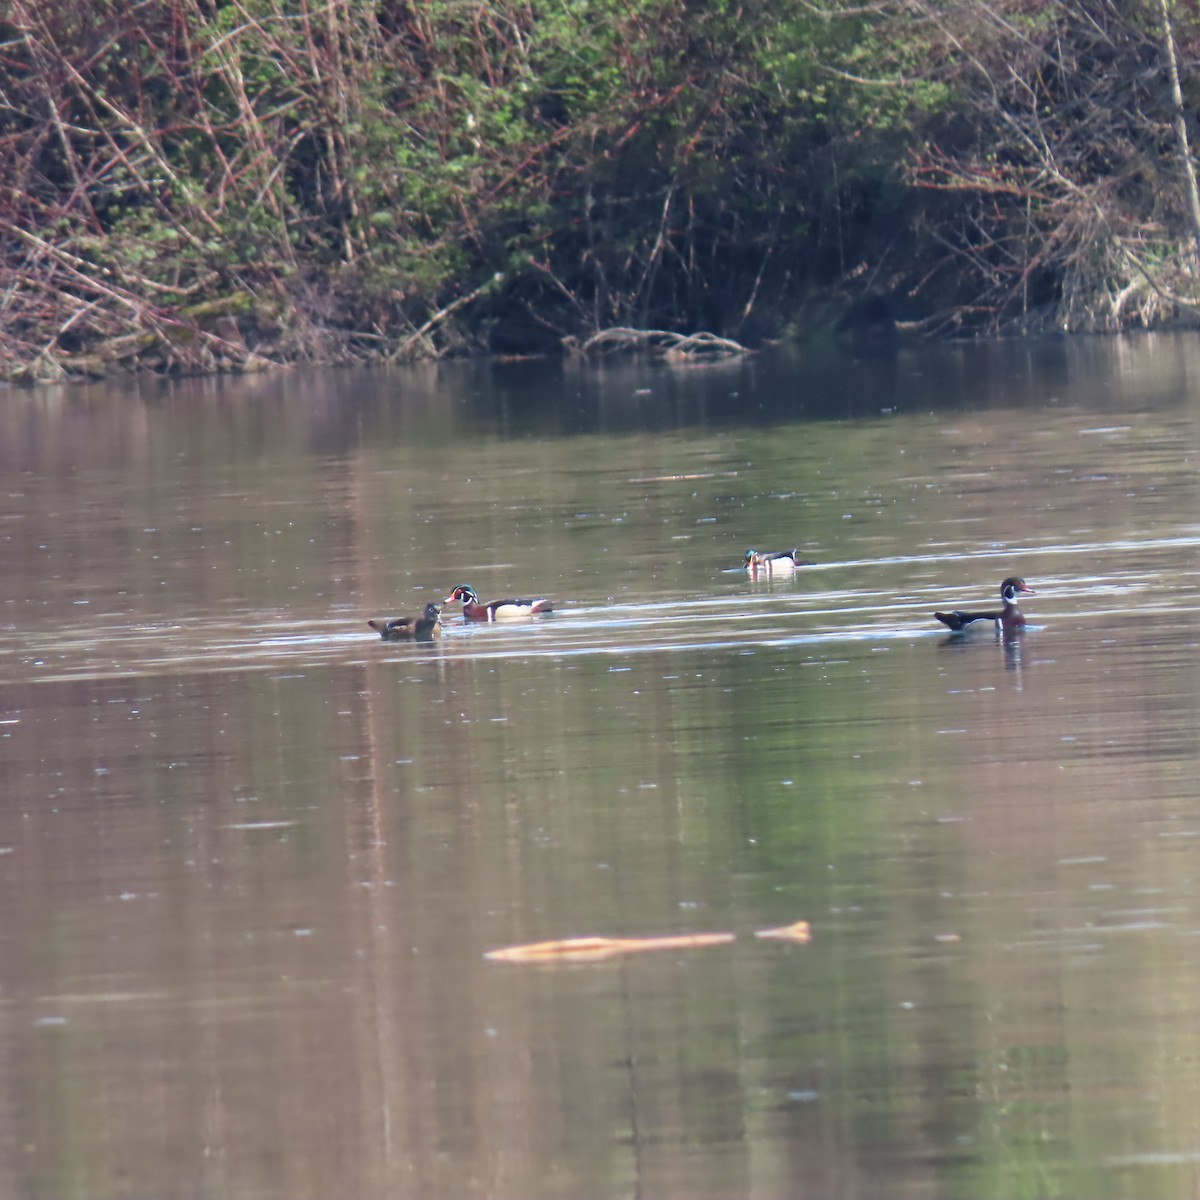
251 857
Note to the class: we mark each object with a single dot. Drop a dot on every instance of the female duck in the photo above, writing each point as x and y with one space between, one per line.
495 610
411 629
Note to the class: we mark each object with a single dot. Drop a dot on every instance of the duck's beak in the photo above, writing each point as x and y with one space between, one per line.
1028 590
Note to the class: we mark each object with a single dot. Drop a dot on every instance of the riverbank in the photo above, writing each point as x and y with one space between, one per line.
197 187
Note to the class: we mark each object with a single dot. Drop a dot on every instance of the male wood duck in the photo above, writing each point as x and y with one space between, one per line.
778 560
495 610
412 629
1008 618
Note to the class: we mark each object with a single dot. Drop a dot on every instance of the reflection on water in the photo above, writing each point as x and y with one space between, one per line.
252 857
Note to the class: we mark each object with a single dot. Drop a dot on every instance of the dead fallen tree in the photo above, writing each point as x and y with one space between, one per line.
675 347
66 317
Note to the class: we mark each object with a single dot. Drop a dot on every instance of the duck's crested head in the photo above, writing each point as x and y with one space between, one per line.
464 593
1013 586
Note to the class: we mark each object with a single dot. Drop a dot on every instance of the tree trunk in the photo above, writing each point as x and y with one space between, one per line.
1181 134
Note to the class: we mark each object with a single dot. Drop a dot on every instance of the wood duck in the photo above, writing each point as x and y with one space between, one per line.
1007 619
411 629
778 560
495 610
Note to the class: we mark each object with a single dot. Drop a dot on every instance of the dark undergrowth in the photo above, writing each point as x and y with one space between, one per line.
203 185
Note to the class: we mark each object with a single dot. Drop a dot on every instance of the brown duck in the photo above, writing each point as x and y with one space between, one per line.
411 629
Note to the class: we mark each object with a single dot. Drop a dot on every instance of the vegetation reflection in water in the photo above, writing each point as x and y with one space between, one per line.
253 857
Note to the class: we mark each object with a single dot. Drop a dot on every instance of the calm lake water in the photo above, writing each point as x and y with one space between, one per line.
252 857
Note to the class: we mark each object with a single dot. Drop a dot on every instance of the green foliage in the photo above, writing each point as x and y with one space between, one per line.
653 162
621 160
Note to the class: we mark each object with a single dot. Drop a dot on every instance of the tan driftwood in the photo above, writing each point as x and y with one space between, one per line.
677 347
596 949
800 931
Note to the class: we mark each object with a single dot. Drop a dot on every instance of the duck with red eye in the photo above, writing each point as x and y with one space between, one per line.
424 628
495 610
1008 619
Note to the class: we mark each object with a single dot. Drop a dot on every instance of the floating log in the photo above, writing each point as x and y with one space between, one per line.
597 949
800 931
675 347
